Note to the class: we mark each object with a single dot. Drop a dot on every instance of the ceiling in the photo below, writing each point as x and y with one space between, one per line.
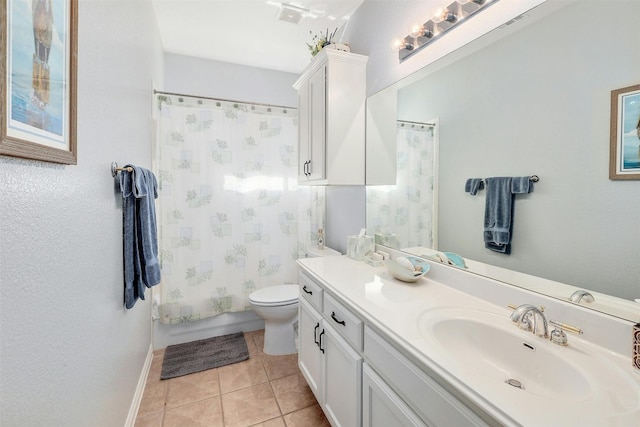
248 32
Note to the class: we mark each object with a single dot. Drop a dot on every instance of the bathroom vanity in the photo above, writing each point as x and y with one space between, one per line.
443 352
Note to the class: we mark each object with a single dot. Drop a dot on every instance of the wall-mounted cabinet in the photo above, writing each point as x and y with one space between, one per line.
331 119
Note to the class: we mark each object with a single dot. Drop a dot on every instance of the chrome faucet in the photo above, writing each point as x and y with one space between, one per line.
530 318
580 295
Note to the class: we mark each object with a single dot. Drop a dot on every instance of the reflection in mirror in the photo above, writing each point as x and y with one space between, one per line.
534 99
404 215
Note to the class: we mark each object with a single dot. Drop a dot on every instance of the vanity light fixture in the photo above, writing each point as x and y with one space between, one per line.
443 20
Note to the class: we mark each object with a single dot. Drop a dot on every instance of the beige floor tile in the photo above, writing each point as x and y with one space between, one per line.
155 370
159 353
205 413
254 350
249 406
308 417
280 366
153 398
242 375
153 419
292 393
276 422
194 387
258 338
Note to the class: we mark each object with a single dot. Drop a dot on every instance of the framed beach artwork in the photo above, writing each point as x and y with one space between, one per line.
624 157
38 49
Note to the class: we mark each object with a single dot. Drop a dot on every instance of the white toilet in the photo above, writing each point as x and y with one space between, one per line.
278 307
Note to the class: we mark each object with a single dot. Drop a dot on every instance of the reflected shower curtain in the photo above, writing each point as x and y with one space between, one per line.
406 209
231 216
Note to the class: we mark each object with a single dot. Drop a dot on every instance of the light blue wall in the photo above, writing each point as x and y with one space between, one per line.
70 354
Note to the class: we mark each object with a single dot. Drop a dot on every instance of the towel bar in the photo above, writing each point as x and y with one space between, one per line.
115 169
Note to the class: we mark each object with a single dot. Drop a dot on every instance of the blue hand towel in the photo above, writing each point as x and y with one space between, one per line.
473 185
140 244
498 214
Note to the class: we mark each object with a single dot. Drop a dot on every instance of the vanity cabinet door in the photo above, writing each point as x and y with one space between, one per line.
381 406
309 354
342 380
317 120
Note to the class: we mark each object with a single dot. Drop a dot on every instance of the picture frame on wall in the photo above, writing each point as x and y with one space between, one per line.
624 157
38 65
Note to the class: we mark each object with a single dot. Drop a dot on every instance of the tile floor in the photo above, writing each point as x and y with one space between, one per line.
267 391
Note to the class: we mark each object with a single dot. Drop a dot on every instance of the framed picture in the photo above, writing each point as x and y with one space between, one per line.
624 154
38 49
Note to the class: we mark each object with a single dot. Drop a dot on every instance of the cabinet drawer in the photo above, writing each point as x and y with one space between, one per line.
344 321
310 291
430 401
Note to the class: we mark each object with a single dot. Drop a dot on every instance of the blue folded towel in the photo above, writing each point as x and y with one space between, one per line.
521 184
498 214
473 185
140 241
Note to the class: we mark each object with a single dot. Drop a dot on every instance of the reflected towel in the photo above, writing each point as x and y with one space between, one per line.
473 185
140 244
521 184
498 214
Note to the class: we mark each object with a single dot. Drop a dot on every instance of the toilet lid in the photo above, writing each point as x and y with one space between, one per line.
275 295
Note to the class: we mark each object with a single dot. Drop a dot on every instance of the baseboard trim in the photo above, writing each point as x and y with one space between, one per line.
137 397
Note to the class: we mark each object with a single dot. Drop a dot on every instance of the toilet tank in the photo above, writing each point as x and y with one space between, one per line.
314 252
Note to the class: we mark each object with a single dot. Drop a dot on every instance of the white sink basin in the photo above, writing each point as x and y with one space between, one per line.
484 346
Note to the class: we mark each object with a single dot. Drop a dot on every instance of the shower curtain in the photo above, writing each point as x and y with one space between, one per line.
405 211
231 216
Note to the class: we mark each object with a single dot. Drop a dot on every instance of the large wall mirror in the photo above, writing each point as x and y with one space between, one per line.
533 98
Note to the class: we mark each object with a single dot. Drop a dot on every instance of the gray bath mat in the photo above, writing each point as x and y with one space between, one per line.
197 356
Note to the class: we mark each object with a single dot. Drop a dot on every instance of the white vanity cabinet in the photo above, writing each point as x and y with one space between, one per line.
389 389
329 363
331 119
381 406
411 393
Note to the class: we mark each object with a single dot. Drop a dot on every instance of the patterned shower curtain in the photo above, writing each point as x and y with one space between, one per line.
405 211
231 217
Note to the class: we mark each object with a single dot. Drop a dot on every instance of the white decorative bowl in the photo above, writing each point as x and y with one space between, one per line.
401 272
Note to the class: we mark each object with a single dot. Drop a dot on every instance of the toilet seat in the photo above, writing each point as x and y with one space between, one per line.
275 295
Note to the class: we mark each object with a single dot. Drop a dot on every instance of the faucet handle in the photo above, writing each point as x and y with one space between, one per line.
558 336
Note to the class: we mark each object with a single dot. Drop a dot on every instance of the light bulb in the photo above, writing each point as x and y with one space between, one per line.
398 44
438 15
416 31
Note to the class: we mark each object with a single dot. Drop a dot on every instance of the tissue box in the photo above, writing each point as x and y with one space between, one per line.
359 248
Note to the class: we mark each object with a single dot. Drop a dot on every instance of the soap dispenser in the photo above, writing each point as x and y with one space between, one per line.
320 239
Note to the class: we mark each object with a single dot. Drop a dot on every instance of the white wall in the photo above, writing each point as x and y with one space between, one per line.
70 353
215 79
202 77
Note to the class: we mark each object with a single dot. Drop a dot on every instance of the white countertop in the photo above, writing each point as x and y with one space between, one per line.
394 308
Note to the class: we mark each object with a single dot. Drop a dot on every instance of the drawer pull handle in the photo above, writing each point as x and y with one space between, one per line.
307 291
320 344
335 319
315 334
